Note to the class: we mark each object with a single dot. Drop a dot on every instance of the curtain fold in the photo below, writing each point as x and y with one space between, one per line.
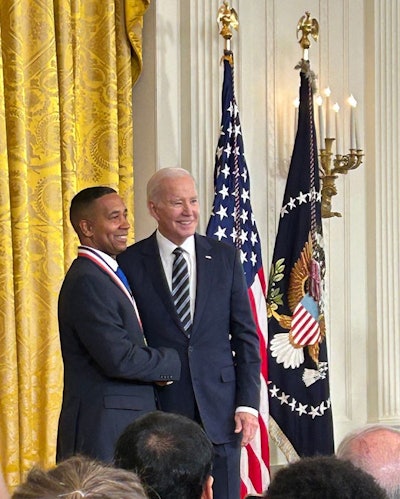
67 68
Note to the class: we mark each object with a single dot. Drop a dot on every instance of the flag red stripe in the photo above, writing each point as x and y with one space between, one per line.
243 489
300 316
308 332
264 441
263 345
259 450
255 474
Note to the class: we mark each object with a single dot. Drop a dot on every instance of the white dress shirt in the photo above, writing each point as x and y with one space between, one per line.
166 248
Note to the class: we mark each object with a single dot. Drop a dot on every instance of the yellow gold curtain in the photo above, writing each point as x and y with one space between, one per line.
67 68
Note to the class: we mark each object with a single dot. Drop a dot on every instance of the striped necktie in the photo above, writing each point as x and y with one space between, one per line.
180 288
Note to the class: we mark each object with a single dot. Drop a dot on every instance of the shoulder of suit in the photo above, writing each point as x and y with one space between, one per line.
218 245
144 246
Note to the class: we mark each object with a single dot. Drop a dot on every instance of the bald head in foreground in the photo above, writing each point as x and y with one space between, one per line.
376 450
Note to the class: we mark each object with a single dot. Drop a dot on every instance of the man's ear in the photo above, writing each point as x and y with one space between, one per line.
86 228
153 210
207 489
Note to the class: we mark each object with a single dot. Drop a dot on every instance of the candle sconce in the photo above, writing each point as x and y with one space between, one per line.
329 168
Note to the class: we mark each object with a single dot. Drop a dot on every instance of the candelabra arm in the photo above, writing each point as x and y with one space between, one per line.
327 191
330 168
344 163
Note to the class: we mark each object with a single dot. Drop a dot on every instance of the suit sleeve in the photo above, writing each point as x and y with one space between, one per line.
245 342
108 332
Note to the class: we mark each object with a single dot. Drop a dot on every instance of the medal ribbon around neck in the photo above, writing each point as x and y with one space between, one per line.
94 257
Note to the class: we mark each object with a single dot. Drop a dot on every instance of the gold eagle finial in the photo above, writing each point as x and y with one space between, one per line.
229 19
308 27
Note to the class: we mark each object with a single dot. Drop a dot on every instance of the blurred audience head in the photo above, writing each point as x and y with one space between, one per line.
170 453
324 477
79 477
376 450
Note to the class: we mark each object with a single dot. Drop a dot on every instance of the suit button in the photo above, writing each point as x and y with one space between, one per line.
190 349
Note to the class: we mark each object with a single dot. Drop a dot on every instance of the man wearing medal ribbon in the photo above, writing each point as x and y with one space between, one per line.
109 371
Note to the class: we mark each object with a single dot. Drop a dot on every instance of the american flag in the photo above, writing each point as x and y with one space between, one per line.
232 221
300 405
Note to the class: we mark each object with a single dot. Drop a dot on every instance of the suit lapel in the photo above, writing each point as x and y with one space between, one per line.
205 277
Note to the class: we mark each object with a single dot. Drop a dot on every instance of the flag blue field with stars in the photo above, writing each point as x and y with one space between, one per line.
298 369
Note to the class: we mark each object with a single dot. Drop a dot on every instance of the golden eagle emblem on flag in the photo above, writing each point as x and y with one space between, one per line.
306 325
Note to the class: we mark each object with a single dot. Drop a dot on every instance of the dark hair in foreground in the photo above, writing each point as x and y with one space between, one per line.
324 477
79 477
83 199
170 453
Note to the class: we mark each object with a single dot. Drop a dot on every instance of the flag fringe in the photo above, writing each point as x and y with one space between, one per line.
282 441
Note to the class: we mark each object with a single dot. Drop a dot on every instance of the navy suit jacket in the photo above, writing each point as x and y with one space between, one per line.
108 369
212 378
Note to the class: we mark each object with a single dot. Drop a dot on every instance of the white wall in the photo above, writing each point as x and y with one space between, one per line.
177 114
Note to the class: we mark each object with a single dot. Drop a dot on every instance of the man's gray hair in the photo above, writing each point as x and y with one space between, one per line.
154 184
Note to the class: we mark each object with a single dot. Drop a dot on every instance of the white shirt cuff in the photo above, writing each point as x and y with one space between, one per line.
250 410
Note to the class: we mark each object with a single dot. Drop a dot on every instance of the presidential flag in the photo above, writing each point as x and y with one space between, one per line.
232 221
299 400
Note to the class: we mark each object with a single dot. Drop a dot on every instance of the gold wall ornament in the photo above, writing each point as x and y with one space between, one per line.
330 167
228 18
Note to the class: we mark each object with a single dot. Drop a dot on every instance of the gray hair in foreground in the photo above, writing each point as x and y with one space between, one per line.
80 477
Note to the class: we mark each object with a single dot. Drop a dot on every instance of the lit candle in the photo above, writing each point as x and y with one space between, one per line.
336 108
357 129
296 104
357 132
353 103
321 123
327 92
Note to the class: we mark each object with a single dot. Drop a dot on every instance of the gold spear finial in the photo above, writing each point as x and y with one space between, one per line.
308 27
228 17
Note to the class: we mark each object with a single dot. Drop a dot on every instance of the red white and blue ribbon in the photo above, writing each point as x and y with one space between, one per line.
100 262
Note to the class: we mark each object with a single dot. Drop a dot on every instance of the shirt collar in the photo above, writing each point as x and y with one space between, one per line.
166 246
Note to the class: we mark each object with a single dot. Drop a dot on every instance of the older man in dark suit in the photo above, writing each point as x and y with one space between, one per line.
196 302
109 371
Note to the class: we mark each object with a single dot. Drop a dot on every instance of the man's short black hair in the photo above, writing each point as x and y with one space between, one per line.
324 477
83 199
171 454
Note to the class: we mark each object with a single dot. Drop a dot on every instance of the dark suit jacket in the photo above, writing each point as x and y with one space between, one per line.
211 376
108 369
